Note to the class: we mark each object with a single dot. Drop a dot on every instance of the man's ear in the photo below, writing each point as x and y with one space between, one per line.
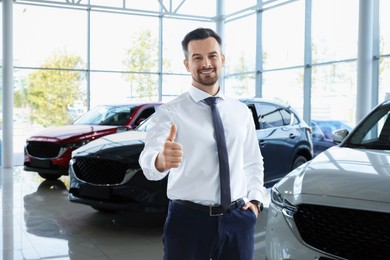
223 59
185 62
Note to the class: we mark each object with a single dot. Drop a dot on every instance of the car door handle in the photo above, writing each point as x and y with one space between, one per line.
292 136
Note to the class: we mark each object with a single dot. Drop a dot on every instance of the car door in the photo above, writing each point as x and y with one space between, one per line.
276 139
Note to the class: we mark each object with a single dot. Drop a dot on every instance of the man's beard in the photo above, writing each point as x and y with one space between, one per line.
206 81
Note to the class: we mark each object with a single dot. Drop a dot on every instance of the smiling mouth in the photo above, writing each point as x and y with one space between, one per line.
206 71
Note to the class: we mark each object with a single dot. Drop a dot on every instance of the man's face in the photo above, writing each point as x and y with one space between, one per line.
205 62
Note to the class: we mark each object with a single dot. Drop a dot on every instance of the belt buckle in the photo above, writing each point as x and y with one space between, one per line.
214 214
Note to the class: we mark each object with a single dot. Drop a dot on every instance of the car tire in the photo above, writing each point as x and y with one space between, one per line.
50 177
51 186
299 161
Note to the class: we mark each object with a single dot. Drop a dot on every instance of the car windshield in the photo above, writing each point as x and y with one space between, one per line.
373 132
106 115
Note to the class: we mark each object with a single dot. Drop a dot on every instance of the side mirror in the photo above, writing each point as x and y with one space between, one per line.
339 135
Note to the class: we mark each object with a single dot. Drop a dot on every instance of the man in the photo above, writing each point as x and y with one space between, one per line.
182 142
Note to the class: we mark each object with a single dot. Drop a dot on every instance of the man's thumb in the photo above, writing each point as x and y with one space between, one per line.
172 133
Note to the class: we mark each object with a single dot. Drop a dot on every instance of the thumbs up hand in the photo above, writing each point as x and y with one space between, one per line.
172 133
171 153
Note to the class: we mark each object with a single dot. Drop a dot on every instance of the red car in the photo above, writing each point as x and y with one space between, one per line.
48 152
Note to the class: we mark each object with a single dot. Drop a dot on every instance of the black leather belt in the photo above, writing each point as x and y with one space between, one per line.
211 210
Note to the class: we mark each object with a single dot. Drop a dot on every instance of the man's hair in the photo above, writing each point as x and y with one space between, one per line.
199 34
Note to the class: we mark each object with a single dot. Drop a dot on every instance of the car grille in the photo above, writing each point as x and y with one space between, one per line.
99 171
348 233
43 149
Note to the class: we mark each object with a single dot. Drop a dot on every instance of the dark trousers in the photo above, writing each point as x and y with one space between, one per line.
194 235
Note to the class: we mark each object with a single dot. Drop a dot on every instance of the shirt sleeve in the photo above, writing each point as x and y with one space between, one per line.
154 141
253 163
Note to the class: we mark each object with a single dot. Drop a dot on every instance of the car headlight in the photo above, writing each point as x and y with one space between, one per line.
72 146
282 204
76 144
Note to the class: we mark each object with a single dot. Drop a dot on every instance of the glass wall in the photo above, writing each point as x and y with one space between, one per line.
124 51
283 36
240 58
384 45
38 37
283 53
285 86
335 39
175 78
1 69
333 93
50 58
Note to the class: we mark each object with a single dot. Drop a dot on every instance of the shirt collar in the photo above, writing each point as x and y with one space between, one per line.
198 95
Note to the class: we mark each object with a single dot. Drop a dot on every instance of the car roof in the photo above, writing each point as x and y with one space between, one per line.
264 100
130 104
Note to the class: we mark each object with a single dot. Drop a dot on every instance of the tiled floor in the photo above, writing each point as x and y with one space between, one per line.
38 222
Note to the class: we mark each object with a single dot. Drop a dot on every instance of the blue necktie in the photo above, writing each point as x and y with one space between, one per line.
222 153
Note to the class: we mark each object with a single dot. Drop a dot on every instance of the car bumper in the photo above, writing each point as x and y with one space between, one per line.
126 197
283 243
111 206
54 170
59 165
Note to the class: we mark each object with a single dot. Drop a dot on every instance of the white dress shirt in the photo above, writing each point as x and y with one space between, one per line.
197 178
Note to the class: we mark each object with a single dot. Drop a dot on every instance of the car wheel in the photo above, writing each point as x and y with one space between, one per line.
49 176
51 186
299 161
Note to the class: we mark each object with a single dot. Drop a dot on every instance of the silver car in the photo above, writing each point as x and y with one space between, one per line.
337 206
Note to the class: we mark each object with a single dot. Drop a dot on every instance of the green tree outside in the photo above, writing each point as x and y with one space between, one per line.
243 80
50 92
142 56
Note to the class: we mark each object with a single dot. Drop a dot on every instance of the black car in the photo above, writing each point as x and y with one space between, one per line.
105 173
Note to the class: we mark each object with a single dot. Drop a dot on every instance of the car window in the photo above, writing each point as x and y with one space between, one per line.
295 119
106 115
269 116
379 131
144 114
252 108
116 116
287 116
374 133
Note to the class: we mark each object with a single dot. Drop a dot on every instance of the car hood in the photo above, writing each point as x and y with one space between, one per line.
61 133
340 173
109 143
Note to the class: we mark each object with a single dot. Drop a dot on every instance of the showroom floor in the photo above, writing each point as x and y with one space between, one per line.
39 222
